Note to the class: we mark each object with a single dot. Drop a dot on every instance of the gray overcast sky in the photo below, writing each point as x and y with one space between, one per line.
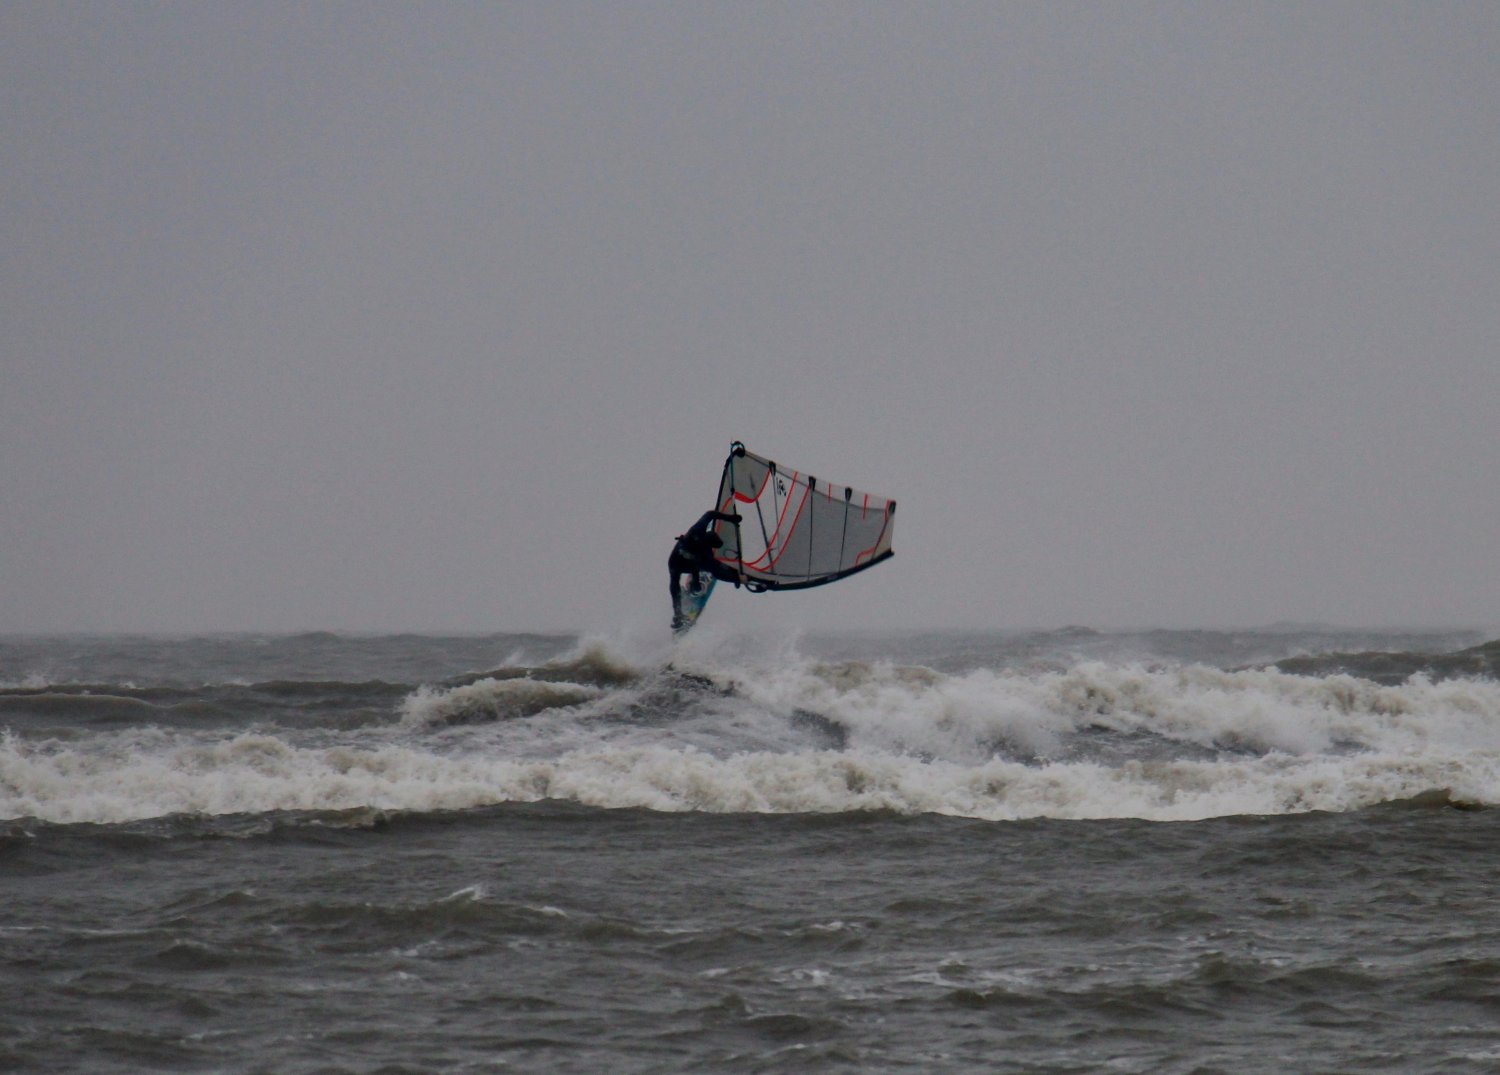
418 316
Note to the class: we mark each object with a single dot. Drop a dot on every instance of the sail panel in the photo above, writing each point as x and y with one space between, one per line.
796 529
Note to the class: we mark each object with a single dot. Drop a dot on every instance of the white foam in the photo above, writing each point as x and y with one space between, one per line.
886 707
984 744
258 774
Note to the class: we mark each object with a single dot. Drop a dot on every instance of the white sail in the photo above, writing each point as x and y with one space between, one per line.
797 530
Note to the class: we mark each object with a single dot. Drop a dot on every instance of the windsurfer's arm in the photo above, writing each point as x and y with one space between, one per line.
711 517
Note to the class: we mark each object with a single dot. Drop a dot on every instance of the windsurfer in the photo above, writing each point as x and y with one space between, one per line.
694 552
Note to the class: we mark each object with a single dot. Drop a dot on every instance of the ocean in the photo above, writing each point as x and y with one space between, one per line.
1067 851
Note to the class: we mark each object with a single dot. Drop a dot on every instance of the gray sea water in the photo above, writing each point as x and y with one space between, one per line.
1060 852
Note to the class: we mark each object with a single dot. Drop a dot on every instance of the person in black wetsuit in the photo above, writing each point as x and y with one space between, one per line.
694 552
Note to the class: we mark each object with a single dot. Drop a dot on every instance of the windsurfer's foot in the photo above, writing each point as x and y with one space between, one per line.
678 623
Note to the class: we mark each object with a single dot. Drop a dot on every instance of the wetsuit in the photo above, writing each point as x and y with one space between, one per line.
694 552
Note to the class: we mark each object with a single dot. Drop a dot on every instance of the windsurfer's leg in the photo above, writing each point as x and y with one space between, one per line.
676 589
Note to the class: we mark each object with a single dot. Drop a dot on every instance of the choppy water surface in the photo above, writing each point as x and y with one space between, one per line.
1060 852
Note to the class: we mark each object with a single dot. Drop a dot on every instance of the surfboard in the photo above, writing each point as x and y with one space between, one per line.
692 603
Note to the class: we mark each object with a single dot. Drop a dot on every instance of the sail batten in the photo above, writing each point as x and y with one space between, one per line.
796 530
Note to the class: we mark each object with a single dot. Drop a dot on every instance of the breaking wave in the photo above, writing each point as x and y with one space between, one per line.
784 733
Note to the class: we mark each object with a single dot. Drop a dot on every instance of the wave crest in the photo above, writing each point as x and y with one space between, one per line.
490 700
260 775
